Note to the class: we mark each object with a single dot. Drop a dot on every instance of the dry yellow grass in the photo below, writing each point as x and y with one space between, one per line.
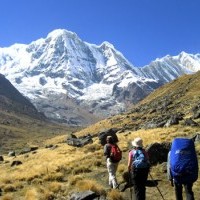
66 168
8 197
93 185
115 195
73 179
31 194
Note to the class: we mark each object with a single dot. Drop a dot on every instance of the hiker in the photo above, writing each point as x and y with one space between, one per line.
138 167
182 167
112 160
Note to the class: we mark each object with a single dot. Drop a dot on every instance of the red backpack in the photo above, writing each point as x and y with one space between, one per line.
115 153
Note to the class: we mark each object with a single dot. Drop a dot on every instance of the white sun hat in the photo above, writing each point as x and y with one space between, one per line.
137 142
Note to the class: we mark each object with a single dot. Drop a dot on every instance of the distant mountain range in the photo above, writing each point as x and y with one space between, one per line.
78 83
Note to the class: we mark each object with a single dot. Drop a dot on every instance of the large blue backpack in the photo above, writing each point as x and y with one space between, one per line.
183 161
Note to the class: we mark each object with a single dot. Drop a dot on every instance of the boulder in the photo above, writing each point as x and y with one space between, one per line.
110 132
174 119
190 122
196 115
1 158
70 136
85 195
28 150
196 112
15 163
11 154
79 142
158 152
48 146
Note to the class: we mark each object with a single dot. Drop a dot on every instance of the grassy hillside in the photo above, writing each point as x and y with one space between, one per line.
18 131
54 173
21 125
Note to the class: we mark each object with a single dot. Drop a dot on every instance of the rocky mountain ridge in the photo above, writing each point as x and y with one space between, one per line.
12 101
78 83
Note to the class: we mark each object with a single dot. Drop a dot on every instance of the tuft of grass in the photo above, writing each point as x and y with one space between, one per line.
92 147
72 180
81 170
37 181
47 195
115 195
7 197
57 176
31 194
9 188
97 162
55 187
88 184
6 179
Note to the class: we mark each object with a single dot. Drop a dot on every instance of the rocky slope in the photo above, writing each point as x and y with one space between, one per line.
12 101
176 104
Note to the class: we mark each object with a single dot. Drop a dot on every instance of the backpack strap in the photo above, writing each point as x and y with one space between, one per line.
107 150
109 147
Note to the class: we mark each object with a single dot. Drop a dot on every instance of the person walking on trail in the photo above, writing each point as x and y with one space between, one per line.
182 167
113 156
138 167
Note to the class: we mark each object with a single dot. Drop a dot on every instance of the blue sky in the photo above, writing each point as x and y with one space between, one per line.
142 30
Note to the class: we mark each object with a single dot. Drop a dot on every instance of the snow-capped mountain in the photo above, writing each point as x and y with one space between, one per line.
76 82
170 67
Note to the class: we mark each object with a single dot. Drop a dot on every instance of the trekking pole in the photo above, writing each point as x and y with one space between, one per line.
156 186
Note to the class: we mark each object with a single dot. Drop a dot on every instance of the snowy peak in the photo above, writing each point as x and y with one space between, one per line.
190 61
171 67
184 60
60 33
106 45
72 81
